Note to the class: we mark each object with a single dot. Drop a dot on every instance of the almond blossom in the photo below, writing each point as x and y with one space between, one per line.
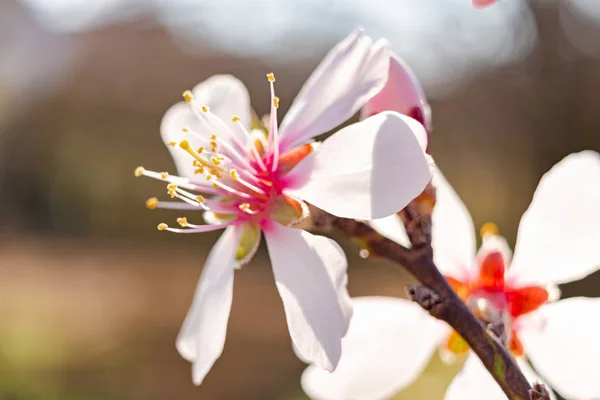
557 243
251 182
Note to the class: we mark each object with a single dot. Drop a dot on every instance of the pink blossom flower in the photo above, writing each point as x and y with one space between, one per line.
557 243
256 181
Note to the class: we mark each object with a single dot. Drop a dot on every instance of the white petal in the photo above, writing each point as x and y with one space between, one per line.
561 340
367 170
453 234
474 382
392 228
559 233
353 72
226 96
402 93
176 118
389 344
317 313
202 335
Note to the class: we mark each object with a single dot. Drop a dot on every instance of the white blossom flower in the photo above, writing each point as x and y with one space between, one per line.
250 182
390 341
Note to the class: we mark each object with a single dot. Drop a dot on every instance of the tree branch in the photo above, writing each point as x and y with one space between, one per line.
436 296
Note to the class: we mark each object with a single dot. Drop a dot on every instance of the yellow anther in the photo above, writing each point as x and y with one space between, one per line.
244 206
172 186
215 186
182 221
151 203
200 198
184 144
234 174
489 229
200 150
215 160
164 175
276 102
235 118
172 144
209 177
271 77
139 171
185 130
162 227
188 96
205 108
199 171
213 137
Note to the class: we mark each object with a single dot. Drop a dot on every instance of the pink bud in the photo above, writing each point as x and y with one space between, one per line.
402 93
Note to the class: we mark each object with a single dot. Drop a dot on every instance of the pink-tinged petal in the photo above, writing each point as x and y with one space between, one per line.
176 118
402 93
226 96
317 310
389 344
202 335
392 228
474 382
561 340
367 170
353 72
453 233
483 3
560 231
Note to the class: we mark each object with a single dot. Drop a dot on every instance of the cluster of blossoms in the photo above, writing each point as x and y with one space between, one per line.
252 178
556 244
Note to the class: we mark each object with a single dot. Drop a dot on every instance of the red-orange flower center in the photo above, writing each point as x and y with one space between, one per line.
490 288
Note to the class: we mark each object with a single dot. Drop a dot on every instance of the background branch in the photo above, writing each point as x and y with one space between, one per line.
436 296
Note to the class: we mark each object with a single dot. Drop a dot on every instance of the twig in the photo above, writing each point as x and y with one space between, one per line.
436 296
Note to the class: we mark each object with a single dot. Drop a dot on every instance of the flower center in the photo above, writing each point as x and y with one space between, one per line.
494 301
238 176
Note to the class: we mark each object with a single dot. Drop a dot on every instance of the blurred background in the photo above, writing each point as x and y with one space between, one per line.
92 295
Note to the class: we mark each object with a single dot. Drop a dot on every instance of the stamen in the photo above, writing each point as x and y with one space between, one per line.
235 118
185 130
172 144
201 228
182 222
489 228
162 226
273 134
204 108
164 175
234 174
188 96
151 203
139 171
